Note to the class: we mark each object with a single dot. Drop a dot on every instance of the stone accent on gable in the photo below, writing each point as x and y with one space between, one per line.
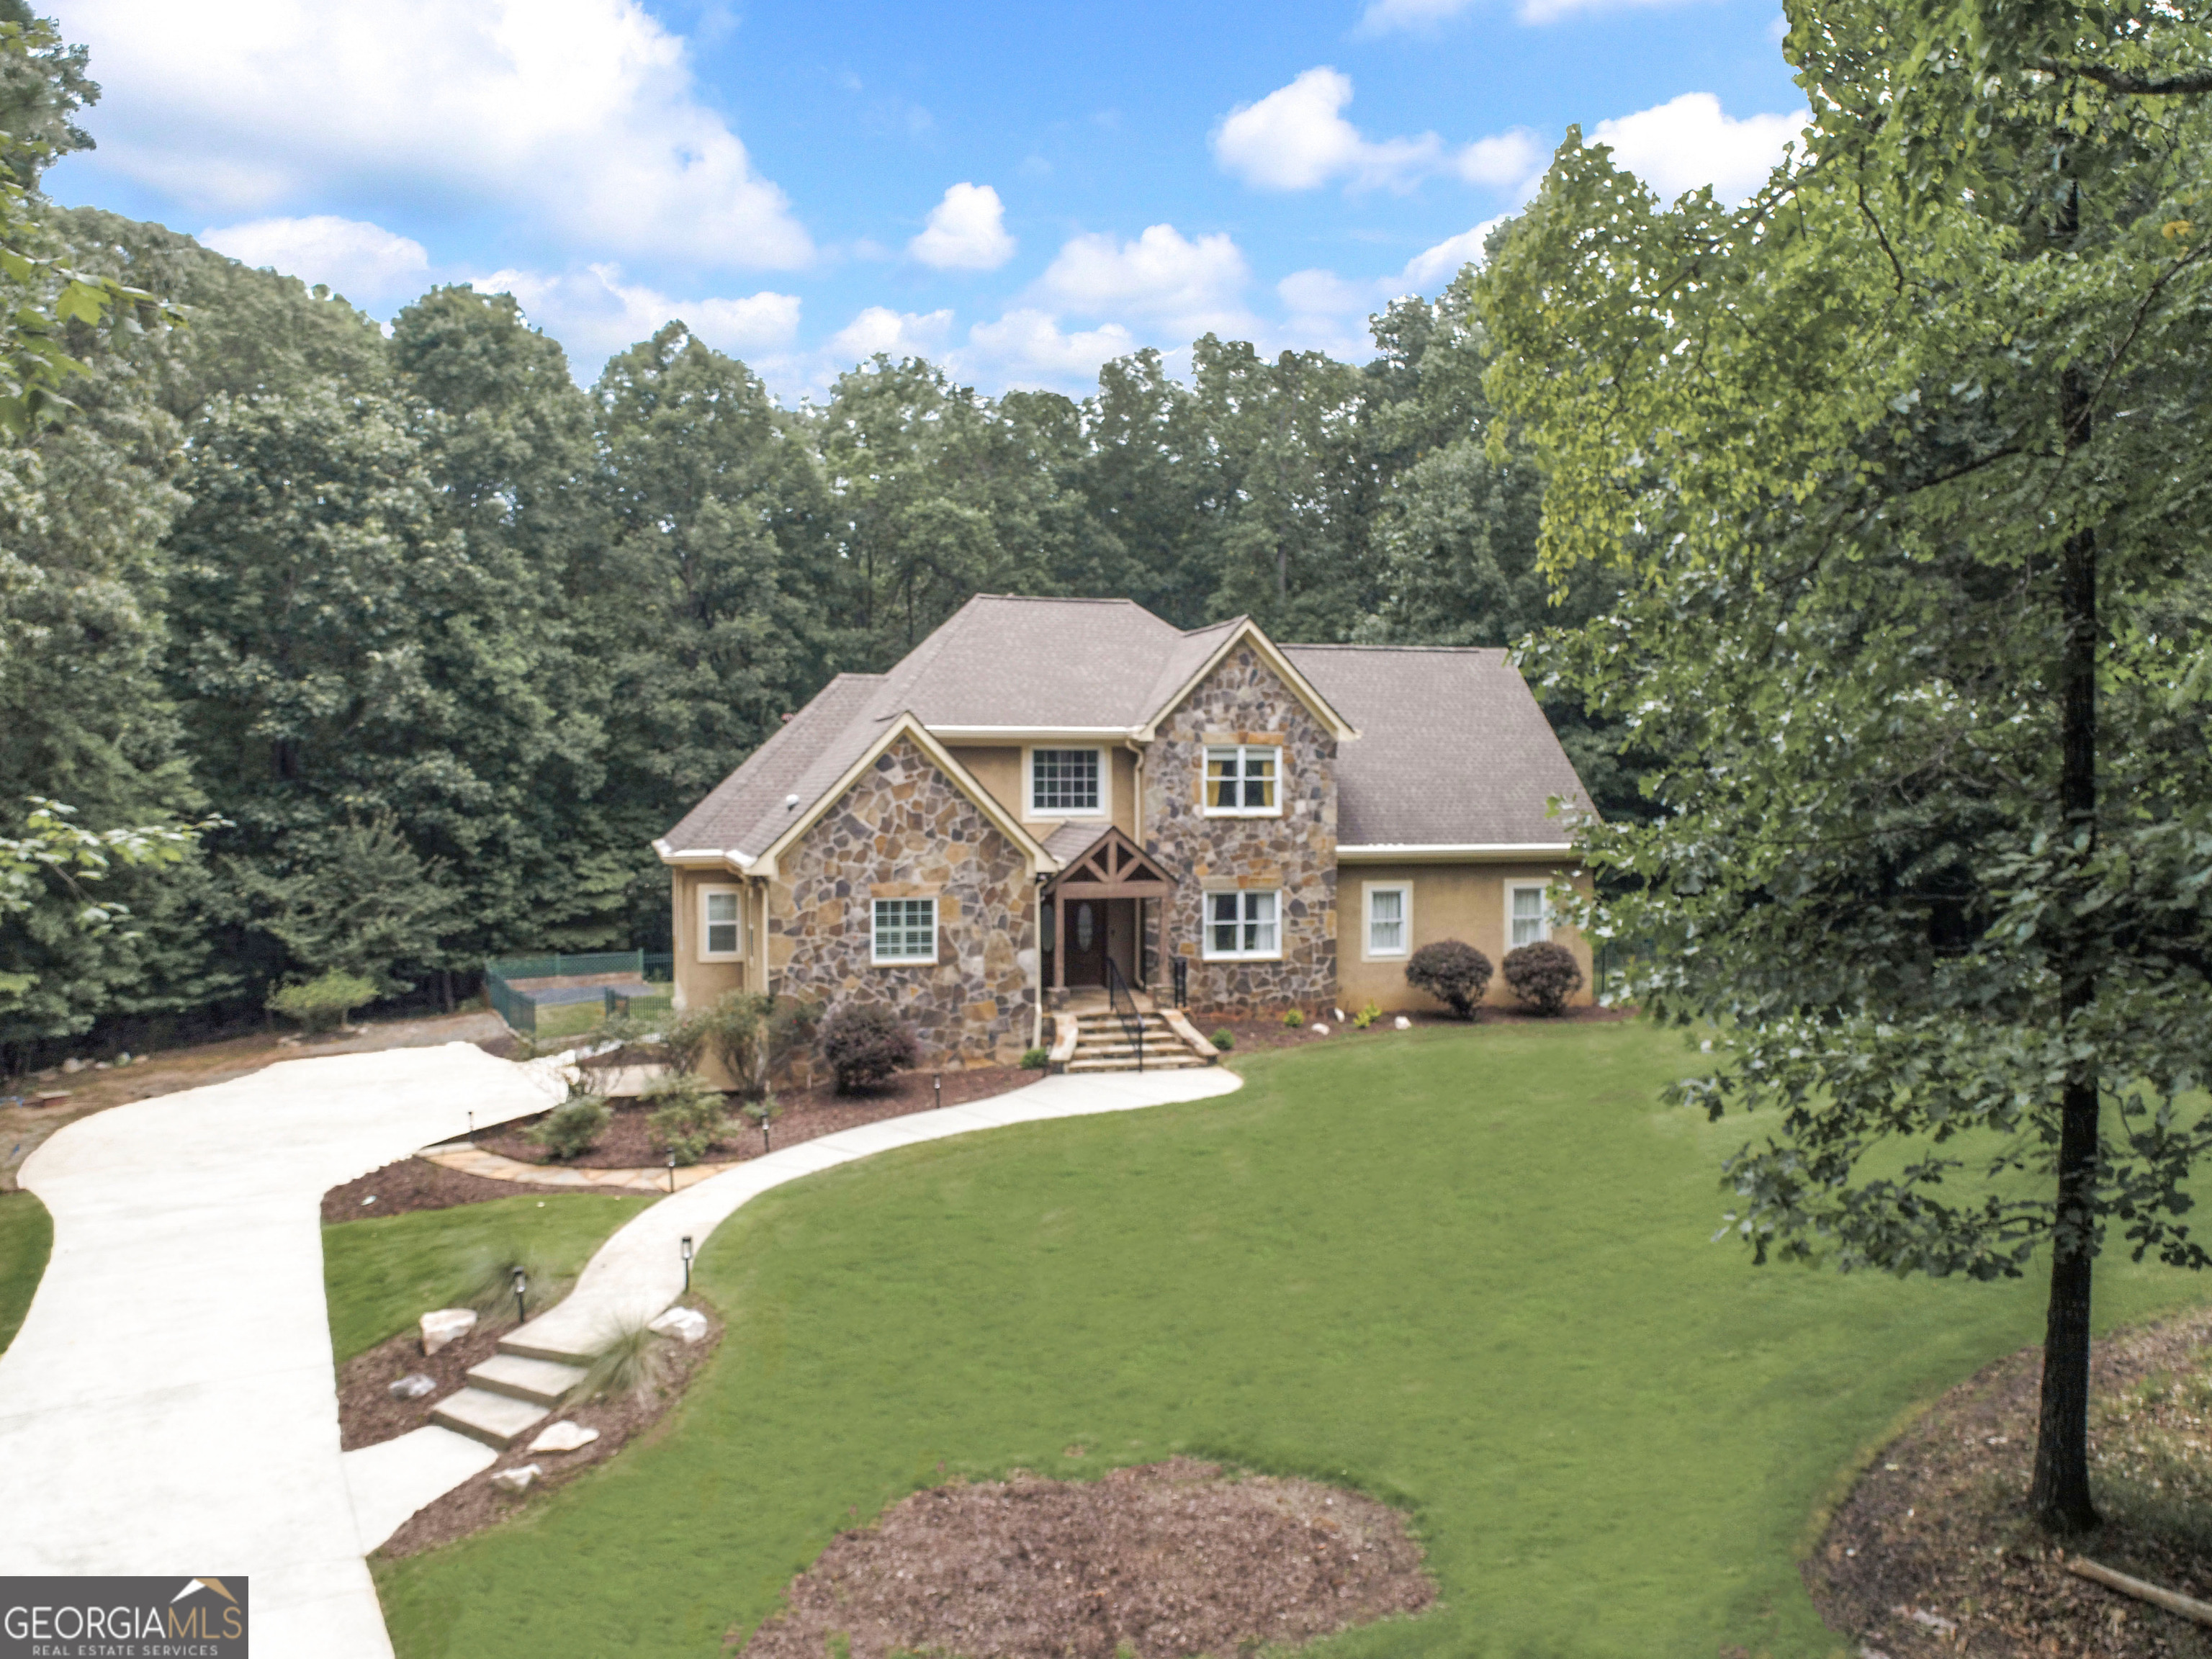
1244 700
906 830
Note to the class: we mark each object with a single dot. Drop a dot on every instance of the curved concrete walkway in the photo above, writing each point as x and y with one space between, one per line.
170 1405
639 1272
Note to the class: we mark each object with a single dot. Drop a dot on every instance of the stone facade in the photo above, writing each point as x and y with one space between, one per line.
905 830
1244 701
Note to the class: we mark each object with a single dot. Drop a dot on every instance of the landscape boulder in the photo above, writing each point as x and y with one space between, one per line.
446 1325
564 1437
688 1323
414 1385
516 1479
1403 1024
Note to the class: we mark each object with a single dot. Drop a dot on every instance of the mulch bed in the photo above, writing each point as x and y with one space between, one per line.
1266 1034
415 1183
1933 1552
1167 1560
369 1415
804 1114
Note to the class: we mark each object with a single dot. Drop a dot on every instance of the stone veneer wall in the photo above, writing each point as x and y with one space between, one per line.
905 831
1295 853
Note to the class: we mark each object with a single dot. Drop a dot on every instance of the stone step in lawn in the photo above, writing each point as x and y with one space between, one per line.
541 1382
1174 1061
497 1419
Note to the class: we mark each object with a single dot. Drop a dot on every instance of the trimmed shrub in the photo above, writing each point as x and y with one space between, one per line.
1454 973
688 1116
1295 1018
1367 1016
864 1042
323 1003
1035 1060
1543 974
574 1128
1224 1039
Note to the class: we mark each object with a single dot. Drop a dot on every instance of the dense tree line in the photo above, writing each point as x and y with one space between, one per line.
444 639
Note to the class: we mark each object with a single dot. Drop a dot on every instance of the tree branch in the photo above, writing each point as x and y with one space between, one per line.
2146 85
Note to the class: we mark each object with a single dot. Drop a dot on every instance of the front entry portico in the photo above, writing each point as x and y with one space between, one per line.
1106 906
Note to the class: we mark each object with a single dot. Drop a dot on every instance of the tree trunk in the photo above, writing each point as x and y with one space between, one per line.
445 987
2060 1494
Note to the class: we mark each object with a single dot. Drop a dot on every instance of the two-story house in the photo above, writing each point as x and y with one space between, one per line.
1050 794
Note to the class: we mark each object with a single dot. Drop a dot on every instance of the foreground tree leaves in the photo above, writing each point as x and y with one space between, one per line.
1904 463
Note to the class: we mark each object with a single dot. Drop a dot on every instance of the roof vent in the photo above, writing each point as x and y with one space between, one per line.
790 802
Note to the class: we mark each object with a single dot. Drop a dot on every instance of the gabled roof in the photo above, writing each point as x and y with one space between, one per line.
1454 750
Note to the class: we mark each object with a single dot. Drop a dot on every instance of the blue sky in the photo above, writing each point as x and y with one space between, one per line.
1019 193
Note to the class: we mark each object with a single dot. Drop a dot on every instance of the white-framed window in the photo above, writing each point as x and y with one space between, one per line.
905 930
1389 918
1243 780
1528 913
1243 924
721 924
1067 783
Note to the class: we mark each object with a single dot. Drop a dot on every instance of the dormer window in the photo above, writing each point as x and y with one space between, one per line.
1243 781
1063 783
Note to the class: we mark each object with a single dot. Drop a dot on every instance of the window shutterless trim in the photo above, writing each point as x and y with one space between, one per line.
734 922
1543 922
1105 782
1240 760
1256 925
1368 892
908 925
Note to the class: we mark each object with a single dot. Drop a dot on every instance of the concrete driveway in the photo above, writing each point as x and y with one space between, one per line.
170 1405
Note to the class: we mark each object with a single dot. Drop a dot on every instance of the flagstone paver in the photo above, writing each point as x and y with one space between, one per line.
497 1166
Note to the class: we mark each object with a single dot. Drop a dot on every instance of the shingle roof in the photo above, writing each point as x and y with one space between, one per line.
1452 749
1071 840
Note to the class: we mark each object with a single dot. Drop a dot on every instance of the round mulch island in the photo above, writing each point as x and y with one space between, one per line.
1164 1561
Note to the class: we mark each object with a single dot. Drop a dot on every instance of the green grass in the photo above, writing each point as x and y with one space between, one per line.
382 1275
1467 1271
27 1238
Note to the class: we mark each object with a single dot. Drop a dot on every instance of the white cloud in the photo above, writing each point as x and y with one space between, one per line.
1433 268
594 313
1295 138
967 231
895 333
364 262
1028 348
1687 142
1163 276
1509 159
580 115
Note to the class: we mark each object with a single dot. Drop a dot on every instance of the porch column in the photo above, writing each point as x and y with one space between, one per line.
1059 941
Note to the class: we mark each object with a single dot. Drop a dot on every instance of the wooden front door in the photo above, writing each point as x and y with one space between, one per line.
1086 943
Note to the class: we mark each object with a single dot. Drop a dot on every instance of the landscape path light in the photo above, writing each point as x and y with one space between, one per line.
671 1172
937 1081
521 1287
687 1264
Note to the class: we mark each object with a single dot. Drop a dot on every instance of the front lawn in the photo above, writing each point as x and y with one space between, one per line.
382 1275
1466 1270
27 1238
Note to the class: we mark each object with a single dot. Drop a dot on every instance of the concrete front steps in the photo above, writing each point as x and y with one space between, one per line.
1103 1043
509 1395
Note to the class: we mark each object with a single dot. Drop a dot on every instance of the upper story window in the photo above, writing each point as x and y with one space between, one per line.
1243 924
1064 781
1528 913
721 924
1243 781
905 930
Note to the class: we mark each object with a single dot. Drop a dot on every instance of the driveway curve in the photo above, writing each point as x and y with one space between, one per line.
170 1405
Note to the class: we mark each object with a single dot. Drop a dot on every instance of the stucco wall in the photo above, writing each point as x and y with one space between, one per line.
699 983
905 831
1244 701
1465 901
1003 770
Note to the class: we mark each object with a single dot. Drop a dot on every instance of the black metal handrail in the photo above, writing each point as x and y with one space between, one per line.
1181 976
1123 1006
